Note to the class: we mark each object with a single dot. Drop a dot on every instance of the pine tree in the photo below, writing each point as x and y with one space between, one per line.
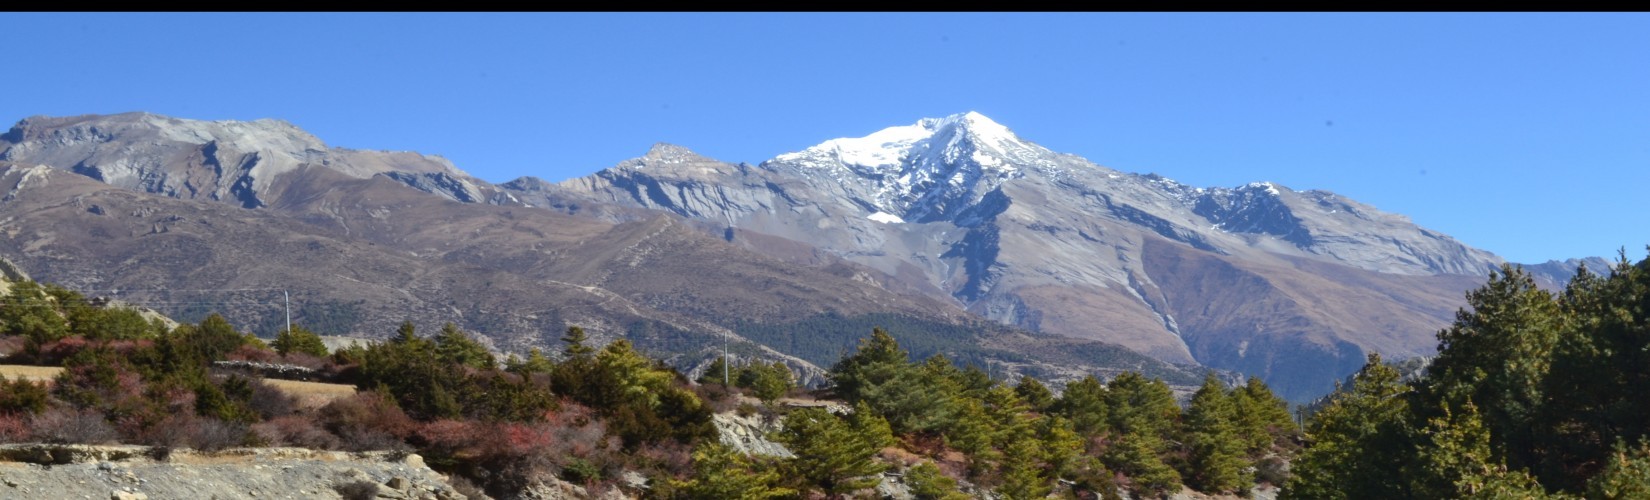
1358 440
973 433
214 337
720 472
1141 415
1216 463
1084 402
1136 455
1061 445
1626 474
1497 354
928 483
880 374
767 382
830 455
1035 394
714 373
1022 473
456 347
406 333
1454 460
1135 404
28 311
299 340
576 348
1599 388
1262 418
535 363
870 427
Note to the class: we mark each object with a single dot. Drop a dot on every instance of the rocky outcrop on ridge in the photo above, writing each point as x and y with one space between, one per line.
137 472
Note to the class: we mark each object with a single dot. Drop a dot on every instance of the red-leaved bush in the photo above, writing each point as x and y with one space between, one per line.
367 421
54 352
447 437
295 430
252 353
69 425
14 428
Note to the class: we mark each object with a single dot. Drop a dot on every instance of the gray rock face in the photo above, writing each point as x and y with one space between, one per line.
243 163
1012 231
1555 274
749 434
116 472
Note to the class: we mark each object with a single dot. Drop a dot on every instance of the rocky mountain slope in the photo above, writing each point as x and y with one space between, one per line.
947 219
361 248
1294 286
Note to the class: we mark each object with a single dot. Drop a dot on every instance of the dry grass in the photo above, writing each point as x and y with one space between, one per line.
312 395
30 372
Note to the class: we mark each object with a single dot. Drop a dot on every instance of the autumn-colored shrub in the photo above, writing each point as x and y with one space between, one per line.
248 352
14 428
54 352
269 401
366 421
70 425
211 434
295 430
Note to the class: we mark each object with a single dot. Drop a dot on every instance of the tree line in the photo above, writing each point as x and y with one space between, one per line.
1533 394
587 413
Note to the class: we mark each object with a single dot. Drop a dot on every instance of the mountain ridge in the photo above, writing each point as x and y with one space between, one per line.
957 211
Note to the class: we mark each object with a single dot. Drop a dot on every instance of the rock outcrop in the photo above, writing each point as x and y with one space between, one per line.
136 472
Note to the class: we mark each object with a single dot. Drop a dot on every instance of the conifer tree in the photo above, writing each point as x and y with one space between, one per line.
1216 463
1136 456
214 337
928 483
535 363
1626 474
1358 440
1497 354
1022 474
1262 417
873 429
974 434
1084 402
720 472
1035 394
1135 404
454 346
299 340
713 373
830 454
1060 444
880 374
1599 390
767 382
1454 460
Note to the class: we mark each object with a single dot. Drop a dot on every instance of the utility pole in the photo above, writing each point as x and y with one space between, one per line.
725 360
288 298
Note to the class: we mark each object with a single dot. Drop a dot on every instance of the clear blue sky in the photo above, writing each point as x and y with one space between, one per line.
1524 134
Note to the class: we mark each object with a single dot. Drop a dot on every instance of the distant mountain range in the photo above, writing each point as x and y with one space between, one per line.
935 227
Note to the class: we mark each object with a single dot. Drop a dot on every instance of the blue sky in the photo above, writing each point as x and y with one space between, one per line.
1524 134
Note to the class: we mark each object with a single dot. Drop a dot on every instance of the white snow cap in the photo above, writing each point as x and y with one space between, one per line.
1270 188
886 218
889 146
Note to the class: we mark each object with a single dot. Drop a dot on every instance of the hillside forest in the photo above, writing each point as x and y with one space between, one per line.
1533 394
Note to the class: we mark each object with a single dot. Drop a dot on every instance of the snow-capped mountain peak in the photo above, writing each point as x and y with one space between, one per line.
937 138
925 169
